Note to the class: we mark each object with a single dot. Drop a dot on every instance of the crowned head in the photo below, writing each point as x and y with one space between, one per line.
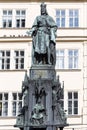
43 9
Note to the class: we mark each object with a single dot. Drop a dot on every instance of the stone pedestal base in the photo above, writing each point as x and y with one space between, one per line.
45 72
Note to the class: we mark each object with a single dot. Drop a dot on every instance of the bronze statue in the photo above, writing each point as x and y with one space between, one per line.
43 33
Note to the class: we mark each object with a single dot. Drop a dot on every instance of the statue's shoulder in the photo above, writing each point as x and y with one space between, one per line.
49 18
38 17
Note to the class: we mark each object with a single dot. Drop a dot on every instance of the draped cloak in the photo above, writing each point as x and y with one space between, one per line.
43 31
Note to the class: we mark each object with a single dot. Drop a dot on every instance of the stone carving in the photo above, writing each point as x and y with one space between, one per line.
38 114
20 120
57 94
43 33
57 91
39 90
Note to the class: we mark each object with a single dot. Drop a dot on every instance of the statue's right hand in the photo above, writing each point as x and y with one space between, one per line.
29 33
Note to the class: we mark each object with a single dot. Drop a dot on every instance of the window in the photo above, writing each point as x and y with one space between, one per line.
3 104
73 59
19 59
60 59
20 18
60 18
72 103
7 18
5 59
67 59
73 18
67 17
16 103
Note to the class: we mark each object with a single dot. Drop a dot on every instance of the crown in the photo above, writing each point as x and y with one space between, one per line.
43 4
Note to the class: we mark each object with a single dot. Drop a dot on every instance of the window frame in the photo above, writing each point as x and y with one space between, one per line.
20 59
61 17
15 109
67 18
74 17
73 60
5 59
7 18
4 108
60 57
71 103
20 20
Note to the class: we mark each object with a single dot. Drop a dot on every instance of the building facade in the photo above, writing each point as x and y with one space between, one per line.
16 18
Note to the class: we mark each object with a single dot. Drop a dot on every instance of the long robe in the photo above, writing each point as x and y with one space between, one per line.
43 31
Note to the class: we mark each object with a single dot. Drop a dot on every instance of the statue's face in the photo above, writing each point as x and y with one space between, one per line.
43 10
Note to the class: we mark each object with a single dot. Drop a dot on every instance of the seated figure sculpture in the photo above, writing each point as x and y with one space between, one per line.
38 114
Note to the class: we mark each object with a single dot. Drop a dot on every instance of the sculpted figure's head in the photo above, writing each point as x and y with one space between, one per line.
43 9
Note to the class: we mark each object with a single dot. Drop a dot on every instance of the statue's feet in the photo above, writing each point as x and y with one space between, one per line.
49 63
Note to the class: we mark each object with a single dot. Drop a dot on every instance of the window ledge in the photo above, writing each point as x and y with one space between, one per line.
68 70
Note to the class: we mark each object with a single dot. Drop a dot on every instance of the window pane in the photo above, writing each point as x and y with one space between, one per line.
76 13
9 23
5 96
18 12
75 104
69 95
17 23
10 12
14 109
23 12
63 12
5 108
70 13
58 22
63 22
71 22
69 111
23 23
4 23
57 12
75 111
7 53
14 96
75 95
22 53
19 96
4 12
76 22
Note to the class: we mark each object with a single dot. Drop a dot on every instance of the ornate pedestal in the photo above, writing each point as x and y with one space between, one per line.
41 96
